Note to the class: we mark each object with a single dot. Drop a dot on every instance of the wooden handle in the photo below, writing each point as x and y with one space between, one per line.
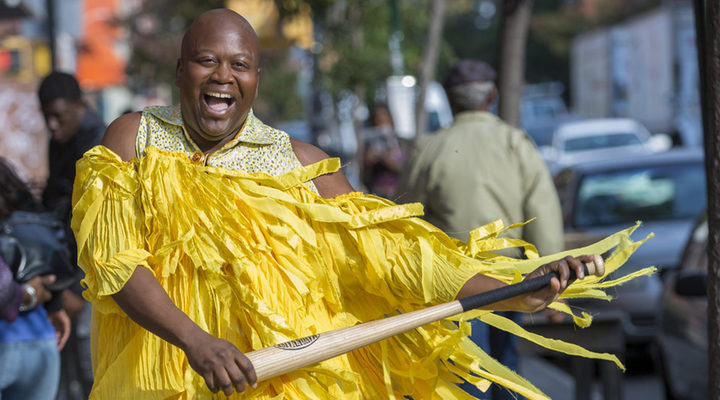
595 267
289 356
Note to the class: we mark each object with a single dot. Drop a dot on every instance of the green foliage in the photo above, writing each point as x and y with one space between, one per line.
549 40
155 34
552 28
354 53
278 98
467 40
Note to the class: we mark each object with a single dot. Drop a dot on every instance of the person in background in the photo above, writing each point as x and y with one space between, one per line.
383 156
74 128
16 297
477 170
32 326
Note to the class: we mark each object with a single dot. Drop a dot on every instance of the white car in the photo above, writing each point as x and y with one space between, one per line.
599 139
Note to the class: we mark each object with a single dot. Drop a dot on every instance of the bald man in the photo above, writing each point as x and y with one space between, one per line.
186 311
217 74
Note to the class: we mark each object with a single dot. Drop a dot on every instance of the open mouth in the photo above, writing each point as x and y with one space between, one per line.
218 102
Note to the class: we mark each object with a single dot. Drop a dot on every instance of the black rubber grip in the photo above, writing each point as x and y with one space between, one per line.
504 293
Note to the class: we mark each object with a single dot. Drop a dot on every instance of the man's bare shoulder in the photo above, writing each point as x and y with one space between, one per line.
121 134
307 153
330 185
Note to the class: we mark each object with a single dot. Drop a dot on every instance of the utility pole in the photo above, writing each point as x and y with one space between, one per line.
707 28
395 40
514 24
50 6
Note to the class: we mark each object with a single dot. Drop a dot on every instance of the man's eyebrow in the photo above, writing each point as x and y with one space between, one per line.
246 55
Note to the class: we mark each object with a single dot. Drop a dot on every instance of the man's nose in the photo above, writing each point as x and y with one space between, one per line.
53 124
223 73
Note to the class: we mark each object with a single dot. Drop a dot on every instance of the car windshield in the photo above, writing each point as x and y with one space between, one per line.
646 194
601 141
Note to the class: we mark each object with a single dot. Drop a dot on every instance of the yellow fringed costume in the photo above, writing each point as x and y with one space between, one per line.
260 260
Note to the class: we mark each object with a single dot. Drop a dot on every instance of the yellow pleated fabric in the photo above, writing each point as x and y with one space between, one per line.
260 260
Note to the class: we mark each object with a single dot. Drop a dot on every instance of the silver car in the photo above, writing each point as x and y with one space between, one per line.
682 334
599 138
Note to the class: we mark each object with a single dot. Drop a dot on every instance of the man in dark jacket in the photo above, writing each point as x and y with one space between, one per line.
74 128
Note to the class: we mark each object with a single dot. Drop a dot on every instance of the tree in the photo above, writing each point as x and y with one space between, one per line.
428 66
707 23
514 22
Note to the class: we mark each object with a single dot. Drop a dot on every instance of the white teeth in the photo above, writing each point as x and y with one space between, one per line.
220 95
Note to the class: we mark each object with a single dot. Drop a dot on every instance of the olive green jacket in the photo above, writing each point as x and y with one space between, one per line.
478 170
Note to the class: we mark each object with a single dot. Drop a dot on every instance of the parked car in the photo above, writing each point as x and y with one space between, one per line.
664 190
682 320
542 110
599 138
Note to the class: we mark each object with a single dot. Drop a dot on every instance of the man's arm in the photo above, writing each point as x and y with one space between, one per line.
539 299
218 361
330 185
121 134
145 301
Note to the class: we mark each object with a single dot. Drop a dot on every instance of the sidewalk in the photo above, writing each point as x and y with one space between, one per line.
559 385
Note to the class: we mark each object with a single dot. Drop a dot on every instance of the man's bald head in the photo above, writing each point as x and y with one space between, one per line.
219 18
217 73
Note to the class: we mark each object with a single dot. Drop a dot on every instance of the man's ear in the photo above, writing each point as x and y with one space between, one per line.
178 71
79 106
490 98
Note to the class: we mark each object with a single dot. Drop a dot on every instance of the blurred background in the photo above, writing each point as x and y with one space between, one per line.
604 81
327 63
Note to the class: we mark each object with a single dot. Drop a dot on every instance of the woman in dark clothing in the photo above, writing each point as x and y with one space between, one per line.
30 334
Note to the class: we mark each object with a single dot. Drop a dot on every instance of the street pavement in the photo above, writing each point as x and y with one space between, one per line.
560 385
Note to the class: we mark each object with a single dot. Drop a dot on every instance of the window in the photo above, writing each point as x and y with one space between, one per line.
601 141
646 194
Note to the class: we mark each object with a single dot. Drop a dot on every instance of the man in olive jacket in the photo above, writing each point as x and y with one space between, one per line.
478 170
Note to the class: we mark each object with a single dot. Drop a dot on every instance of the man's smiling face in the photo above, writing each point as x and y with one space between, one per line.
217 75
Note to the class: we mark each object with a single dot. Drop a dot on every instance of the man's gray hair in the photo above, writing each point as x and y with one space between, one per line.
471 95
